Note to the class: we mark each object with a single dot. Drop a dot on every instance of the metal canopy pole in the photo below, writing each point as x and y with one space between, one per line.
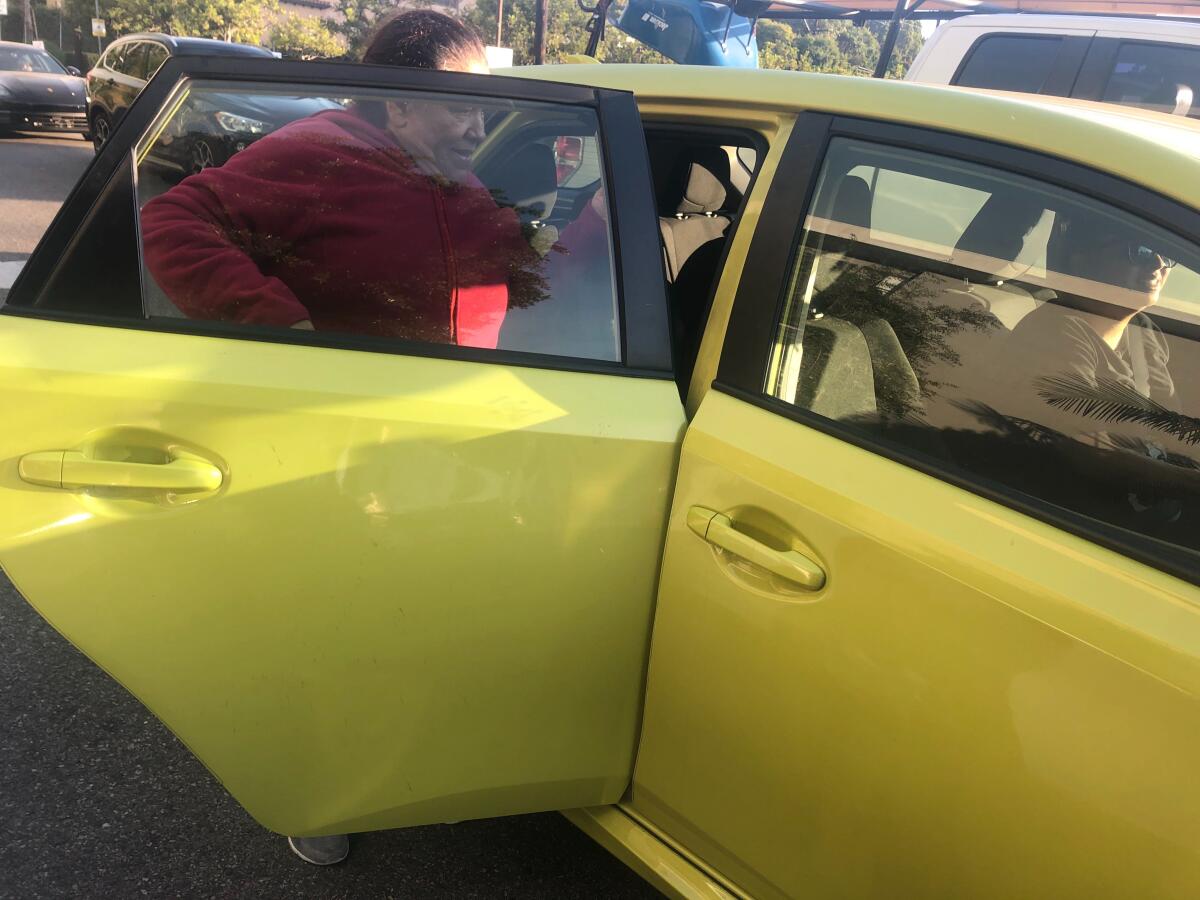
889 43
596 25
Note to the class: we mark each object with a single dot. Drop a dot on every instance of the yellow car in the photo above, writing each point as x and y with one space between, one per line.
824 522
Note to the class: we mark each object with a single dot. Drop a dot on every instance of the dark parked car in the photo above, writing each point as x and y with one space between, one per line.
215 127
38 93
130 62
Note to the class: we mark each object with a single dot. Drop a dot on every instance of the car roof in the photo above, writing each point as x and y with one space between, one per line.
193 46
1158 151
23 46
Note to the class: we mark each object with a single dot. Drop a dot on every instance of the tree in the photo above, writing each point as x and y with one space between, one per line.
242 21
566 34
832 46
301 37
356 20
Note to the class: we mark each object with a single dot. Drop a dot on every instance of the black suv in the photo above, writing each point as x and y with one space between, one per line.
130 61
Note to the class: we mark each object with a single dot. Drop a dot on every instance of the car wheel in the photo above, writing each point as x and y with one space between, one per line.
201 157
101 129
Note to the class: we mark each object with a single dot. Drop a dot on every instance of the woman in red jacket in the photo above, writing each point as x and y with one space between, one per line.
364 220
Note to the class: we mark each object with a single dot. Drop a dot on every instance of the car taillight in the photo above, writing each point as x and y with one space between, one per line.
568 156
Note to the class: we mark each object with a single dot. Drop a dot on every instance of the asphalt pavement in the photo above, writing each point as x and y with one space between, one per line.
99 800
36 173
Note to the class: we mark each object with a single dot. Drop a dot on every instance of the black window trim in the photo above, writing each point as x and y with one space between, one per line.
641 290
745 354
1064 68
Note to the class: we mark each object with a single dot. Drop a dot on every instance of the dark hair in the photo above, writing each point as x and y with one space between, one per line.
423 39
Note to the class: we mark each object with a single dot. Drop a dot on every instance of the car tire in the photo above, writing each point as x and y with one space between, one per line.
100 130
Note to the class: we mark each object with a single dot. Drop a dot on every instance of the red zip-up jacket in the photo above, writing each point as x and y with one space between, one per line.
328 219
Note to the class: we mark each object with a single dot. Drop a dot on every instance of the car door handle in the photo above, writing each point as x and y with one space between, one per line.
70 469
719 530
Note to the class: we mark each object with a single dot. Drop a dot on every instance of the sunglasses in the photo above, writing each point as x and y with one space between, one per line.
1148 256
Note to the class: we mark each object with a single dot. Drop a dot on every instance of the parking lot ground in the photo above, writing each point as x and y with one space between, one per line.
99 800
36 174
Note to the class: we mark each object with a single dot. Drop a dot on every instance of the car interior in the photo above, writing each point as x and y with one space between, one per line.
550 175
701 179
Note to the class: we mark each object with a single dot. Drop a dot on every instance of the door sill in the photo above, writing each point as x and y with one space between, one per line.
643 850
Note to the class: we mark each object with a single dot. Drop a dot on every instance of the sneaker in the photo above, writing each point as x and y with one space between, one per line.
321 851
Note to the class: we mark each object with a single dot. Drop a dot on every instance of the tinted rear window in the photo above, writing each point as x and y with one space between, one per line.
1010 63
1163 77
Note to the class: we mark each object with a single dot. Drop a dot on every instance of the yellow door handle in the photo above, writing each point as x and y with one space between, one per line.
718 529
71 470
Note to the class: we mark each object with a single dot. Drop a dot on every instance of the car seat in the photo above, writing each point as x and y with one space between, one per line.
700 197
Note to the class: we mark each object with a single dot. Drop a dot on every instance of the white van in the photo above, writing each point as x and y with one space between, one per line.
1152 63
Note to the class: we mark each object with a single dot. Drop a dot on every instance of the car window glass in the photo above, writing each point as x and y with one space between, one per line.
118 58
1010 63
133 61
156 55
28 59
1020 334
1163 77
112 59
418 217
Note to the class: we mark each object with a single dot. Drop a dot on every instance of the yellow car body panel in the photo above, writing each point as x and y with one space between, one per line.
939 720
974 704
420 592
1151 149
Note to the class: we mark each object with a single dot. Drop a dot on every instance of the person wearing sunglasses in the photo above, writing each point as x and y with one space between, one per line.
1106 274
1093 350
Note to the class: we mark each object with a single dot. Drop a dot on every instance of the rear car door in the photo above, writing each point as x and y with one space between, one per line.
369 578
928 619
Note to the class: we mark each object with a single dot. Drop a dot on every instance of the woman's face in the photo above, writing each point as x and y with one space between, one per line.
441 136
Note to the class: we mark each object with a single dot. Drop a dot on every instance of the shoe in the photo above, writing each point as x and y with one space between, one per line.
321 851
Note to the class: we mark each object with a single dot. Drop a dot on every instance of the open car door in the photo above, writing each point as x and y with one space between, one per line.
370 579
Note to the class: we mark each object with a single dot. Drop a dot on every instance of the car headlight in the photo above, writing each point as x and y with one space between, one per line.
241 124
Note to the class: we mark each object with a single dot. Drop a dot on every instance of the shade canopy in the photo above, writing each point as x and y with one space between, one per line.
884 9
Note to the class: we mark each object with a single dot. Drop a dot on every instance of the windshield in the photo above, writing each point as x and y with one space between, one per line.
28 59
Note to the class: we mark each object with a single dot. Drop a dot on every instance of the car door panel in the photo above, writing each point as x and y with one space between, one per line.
987 696
903 732
340 630
419 586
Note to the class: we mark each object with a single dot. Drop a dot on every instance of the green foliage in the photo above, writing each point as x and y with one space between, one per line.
302 37
831 46
242 21
356 21
567 32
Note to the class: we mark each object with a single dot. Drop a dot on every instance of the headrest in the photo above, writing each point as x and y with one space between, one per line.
1000 227
528 182
852 203
706 180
